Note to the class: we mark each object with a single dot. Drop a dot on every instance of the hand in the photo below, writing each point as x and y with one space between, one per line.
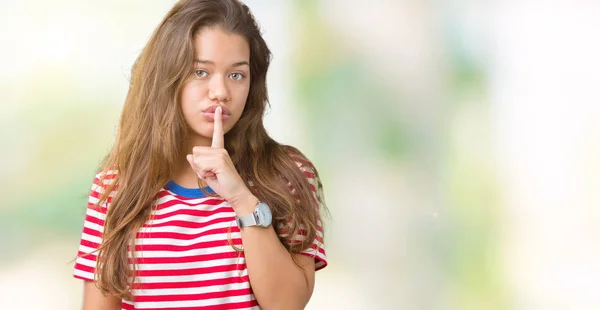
214 166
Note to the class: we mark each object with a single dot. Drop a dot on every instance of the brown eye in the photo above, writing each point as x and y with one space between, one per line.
236 76
200 73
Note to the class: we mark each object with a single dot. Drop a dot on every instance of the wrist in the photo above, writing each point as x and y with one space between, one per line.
244 204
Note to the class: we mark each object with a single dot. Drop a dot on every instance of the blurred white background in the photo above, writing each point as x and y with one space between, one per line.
458 143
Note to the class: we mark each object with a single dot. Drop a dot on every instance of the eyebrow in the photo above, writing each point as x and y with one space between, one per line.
209 62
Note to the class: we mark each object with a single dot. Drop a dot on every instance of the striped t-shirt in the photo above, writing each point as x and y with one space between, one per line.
185 259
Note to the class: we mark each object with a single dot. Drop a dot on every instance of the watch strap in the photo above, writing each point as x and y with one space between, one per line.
246 220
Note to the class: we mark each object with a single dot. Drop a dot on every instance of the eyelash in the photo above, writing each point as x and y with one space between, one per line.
199 74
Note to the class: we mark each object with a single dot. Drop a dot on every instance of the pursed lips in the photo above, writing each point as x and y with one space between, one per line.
209 112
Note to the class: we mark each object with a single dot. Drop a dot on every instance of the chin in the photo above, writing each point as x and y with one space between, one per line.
203 131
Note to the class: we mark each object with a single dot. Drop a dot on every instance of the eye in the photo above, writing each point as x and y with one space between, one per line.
200 73
236 76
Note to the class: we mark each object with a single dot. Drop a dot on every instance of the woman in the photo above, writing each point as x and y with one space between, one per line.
196 207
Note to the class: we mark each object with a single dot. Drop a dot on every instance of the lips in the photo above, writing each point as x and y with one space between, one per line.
209 113
211 109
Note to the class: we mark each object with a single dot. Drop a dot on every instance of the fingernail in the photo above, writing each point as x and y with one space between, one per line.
219 109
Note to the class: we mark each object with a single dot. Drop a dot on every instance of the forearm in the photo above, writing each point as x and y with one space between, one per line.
93 299
277 282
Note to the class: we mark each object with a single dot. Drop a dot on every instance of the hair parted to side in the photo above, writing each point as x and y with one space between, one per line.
152 132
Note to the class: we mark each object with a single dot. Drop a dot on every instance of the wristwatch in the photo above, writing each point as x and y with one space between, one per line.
261 216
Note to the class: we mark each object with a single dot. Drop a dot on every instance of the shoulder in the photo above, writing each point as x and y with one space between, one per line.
306 167
103 181
300 159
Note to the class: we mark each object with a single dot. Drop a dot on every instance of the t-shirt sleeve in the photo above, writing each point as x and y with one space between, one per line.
317 247
93 227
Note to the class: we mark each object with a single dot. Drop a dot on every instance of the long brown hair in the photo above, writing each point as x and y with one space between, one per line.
152 131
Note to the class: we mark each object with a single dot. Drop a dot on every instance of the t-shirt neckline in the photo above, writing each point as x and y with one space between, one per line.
185 191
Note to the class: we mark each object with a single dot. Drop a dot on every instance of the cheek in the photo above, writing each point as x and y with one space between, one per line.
191 94
241 98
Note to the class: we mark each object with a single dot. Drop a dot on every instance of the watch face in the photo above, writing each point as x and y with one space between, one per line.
264 214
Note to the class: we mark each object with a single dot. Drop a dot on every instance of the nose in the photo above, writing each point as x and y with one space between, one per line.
218 89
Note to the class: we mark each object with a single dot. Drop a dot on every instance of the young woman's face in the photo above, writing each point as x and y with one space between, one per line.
221 77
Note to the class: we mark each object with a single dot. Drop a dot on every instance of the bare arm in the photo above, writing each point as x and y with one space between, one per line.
276 280
94 300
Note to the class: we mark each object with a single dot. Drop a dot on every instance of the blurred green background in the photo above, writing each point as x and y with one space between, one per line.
458 143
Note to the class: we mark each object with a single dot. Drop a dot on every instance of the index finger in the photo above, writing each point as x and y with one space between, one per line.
218 139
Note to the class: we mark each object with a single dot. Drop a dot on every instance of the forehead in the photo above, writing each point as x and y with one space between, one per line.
222 47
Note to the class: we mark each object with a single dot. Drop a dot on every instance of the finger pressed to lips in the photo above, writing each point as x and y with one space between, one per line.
217 147
217 140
